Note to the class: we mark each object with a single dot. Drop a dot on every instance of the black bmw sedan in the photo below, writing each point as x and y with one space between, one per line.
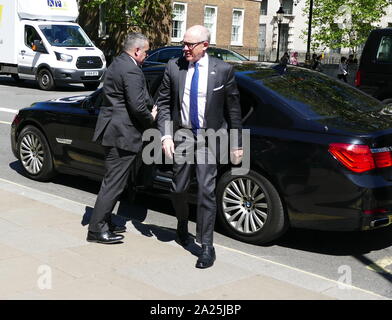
320 153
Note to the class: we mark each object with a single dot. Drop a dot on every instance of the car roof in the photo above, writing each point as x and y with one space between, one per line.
151 52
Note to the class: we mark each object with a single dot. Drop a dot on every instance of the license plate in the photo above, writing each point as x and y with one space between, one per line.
90 73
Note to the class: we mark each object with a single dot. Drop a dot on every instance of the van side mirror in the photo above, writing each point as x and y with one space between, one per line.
38 47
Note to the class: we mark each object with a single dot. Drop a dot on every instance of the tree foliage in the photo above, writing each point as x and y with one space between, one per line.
151 17
344 23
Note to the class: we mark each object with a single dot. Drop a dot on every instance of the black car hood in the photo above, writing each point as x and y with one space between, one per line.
70 99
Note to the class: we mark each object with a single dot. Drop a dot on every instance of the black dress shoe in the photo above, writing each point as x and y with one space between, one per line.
182 233
207 257
104 237
117 229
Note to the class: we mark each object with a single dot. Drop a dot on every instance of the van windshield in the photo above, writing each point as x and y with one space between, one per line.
65 36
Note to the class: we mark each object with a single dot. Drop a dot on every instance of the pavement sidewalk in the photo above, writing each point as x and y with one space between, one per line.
44 255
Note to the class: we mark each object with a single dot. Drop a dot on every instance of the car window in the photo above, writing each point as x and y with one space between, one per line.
224 54
153 57
31 35
256 112
167 54
384 52
316 96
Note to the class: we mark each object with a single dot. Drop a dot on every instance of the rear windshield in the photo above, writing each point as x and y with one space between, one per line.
316 96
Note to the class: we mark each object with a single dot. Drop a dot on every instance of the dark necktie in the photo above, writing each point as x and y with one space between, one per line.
194 114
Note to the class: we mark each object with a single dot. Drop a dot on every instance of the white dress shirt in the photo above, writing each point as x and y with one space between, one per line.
201 95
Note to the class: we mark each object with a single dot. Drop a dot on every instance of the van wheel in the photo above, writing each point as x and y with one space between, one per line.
35 155
45 80
91 86
250 208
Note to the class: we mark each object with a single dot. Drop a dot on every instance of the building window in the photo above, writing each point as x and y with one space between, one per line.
102 22
210 15
237 27
287 6
179 21
264 7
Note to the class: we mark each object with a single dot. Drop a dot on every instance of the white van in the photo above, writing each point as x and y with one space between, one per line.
40 40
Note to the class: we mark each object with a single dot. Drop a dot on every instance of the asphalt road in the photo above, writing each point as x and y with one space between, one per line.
362 259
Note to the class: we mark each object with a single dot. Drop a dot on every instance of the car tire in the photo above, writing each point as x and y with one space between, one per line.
91 86
45 80
249 208
35 154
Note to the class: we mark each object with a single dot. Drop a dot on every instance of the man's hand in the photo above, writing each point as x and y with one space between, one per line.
168 147
154 111
236 156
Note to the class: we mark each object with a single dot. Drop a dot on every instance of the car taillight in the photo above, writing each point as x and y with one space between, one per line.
358 78
356 157
382 159
360 158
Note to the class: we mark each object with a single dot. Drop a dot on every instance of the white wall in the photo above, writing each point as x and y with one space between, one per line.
298 22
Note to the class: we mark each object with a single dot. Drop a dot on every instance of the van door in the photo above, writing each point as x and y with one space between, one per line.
27 57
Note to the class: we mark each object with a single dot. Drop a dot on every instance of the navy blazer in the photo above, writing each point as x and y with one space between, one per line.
222 109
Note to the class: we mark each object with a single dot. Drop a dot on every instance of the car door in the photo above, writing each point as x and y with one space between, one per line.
27 57
81 152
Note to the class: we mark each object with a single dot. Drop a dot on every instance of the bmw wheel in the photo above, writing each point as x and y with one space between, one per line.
35 155
250 208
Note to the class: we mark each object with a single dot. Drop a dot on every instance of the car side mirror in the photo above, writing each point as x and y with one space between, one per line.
38 47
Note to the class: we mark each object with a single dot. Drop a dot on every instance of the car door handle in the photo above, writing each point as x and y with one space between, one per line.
23 51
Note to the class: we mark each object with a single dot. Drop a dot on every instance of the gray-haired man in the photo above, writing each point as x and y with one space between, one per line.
122 119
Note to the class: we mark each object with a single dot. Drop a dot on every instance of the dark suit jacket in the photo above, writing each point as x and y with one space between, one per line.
124 113
222 104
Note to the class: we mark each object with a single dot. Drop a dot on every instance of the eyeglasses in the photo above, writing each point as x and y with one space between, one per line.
191 45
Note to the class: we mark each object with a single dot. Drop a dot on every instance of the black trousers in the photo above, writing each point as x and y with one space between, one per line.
118 164
206 200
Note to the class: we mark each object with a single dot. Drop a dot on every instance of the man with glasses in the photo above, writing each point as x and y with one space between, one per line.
197 92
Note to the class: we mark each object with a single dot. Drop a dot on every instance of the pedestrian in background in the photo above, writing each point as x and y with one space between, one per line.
294 58
284 60
316 62
343 69
123 116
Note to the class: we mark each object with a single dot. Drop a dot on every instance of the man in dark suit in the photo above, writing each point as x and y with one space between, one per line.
123 117
197 92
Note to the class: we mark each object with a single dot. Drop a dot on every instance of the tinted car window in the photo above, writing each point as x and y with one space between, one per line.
166 55
226 54
256 112
384 52
153 57
316 96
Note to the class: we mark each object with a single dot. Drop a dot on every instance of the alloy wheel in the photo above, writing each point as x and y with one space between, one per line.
32 153
245 205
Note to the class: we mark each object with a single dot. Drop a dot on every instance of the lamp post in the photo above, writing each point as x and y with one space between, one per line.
307 57
279 17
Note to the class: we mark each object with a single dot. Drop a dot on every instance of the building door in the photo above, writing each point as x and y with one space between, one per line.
262 39
284 38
